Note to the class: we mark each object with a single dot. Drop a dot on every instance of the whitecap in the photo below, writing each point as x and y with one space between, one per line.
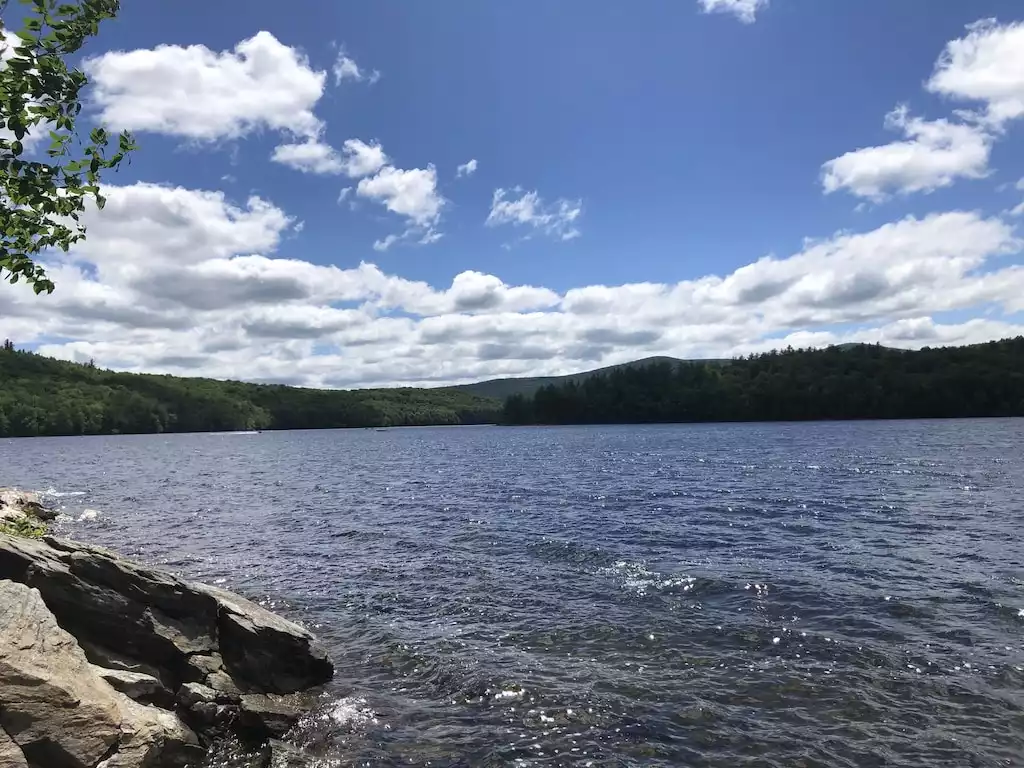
351 711
639 579
61 494
511 693
89 516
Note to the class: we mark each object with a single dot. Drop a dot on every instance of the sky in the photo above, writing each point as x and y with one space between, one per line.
382 193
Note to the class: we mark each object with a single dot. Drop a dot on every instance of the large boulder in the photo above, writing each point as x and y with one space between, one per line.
215 658
261 648
52 705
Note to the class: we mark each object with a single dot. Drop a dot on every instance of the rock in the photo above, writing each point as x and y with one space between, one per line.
108 659
155 639
203 664
137 686
152 738
163 620
223 683
11 755
272 713
17 504
191 694
51 703
261 648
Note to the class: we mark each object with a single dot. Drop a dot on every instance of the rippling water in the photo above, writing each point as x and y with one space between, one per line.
741 595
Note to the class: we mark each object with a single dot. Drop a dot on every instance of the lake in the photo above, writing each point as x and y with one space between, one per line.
841 594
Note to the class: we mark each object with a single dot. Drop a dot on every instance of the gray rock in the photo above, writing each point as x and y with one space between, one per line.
51 703
191 694
11 755
161 640
137 686
205 664
261 648
108 659
152 738
272 713
223 683
15 504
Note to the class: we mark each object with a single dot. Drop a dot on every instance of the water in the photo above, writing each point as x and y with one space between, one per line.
739 595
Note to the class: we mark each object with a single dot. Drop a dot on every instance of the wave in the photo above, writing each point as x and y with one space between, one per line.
54 493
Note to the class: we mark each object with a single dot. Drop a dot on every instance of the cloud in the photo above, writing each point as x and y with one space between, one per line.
191 282
362 159
204 95
310 156
987 66
356 159
417 234
744 10
346 68
934 154
557 220
343 194
411 193
466 169
386 242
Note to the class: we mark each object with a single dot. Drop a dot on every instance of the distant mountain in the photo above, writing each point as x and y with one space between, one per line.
503 388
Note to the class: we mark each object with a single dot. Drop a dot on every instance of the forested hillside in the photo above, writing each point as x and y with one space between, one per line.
504 388
42 396
851 382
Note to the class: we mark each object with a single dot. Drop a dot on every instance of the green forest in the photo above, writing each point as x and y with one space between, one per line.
846 382
43 396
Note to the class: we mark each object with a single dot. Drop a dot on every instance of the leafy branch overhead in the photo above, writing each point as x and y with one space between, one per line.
40 97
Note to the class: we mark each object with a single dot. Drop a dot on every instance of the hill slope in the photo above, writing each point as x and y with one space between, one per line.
502 388
42 396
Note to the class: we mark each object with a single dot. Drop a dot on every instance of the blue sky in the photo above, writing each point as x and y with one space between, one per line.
647 179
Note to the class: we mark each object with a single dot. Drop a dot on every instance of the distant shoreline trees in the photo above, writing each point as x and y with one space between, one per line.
852 382
43 396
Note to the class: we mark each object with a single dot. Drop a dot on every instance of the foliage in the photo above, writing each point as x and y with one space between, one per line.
24 527
42 396
43 201
852 382
528 385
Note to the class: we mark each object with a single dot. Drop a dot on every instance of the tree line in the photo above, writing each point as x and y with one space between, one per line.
43 396
844 382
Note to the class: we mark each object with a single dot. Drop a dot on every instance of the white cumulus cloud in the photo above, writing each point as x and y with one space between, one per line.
197 93
411 193
933 154
986 66
190 282
356 159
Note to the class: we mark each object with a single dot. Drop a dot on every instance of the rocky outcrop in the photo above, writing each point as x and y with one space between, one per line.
23 511
107 664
